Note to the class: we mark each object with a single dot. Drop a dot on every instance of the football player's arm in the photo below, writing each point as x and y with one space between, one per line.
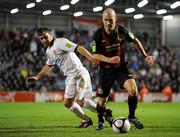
112 60
46 69
80 49
138 45
96 47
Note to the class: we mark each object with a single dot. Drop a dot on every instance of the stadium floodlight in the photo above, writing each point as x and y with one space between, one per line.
168 17
30 5
142 3
109 2
15 10
38 1
64 7
98 8
129 10
46 12
74 1
138 16
77 14
175 5
161 11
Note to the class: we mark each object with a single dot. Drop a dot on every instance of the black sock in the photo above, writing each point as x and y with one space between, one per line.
100 119
100 110
132 103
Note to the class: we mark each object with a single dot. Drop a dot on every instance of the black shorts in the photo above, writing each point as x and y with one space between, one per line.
107 78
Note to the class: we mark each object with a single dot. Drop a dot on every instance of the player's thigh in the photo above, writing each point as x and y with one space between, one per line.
105 86
130 86
70 89
84 87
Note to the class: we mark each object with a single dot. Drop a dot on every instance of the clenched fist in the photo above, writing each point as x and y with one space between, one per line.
150 59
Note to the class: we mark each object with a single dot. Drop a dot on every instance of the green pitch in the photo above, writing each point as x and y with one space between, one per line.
54 120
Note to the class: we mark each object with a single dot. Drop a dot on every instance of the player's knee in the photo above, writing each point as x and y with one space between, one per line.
67 104
80 102
102 102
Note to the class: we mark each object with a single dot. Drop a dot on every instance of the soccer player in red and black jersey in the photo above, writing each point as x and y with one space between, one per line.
108 48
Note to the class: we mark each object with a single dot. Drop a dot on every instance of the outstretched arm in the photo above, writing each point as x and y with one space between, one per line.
112 60
138 45
42 73
86 54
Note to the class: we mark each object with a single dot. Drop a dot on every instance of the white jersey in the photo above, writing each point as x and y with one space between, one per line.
62 54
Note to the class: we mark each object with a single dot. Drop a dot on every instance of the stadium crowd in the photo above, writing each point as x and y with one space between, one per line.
21 56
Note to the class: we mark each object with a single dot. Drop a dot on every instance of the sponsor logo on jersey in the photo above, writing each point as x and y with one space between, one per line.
100 91
112 47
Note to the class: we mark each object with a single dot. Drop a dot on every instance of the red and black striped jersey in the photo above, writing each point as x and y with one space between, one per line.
112 44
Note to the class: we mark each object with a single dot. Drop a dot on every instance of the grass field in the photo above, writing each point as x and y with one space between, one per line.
54 120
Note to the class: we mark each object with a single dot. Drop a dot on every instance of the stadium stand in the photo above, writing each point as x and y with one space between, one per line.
21 56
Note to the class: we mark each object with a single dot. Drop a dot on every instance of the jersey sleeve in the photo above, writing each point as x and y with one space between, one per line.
129 35
66 45
50 62
97 45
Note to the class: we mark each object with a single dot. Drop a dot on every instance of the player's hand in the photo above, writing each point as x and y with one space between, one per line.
114 60
150 59
31 80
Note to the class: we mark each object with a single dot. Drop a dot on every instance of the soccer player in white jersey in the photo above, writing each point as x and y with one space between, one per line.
60 52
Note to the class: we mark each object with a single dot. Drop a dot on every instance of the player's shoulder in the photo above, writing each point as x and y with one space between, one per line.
121 28
99 30
61 41
47 50
98 33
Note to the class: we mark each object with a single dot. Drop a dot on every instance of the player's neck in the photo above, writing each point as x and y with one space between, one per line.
108 31
52 42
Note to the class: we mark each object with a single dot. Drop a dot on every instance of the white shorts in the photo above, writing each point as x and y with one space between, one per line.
78 85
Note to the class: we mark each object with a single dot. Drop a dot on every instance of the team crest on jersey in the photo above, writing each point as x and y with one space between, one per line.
55 52
100 91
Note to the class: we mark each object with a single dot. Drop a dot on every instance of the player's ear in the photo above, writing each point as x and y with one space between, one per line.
49 33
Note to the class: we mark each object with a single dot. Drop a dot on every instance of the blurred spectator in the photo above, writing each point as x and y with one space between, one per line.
167 90
21 56
144 90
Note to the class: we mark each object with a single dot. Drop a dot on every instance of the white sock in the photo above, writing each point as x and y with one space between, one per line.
76 109
89 104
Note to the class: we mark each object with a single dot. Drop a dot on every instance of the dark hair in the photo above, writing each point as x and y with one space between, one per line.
41 30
